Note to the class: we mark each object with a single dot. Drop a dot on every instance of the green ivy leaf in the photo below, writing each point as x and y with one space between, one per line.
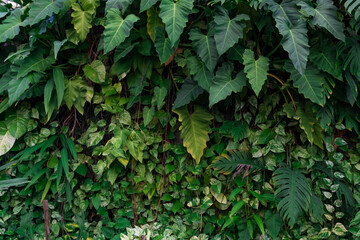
117 29
194 129
224 84
148 114
256 70
159 96
175 16
228 31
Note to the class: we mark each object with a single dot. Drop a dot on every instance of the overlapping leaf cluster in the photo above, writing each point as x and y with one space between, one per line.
122 113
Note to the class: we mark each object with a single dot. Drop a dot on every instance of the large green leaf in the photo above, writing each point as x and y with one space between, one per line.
353 7
77 92
146 4
295 42
228 31
310 83
121 5
16 88
17 121
202 74
256 70
163 45
35 62
40 9
205 47
189 92
10 27
224 84
117 29
273 223
286 10
175 17
59 80
153 21
195 129
82 17
95 71
293 191
352 60
325 16
6 139
325 59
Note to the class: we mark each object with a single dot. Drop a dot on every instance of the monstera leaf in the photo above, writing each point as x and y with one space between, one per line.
40 9
293 191
353 7
310 83
117 29
295 42
205 47
10 27
175 17
324 15
82 17
224 84
195 129
256 70
325 59
146 4
163 45
228 31
6 139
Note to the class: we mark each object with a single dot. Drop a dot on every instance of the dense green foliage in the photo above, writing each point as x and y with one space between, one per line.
187 119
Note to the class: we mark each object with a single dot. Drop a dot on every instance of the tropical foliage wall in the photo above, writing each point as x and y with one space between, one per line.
187 119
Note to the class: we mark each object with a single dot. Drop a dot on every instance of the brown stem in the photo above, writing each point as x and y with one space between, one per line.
46 219
287 90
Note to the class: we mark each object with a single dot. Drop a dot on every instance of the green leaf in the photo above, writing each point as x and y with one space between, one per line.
35 62
123 49
293 191
226 164
40 9
95 71
117 29
205 47
82 17
326 60
316 208
121 5
310 83
12 182
46 190
287 10
16 89
162 45
194 129
189 92
159 96
228 31
256 70
325 16
77 92
146 4
259 222
153 21
65 162
295 42
236 208
224 84
57 46
47 93
148 114
352 61
59 80
6 139
273 223
202 75
175 17
10 27
17 121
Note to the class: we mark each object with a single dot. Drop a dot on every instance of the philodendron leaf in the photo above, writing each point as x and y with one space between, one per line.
195 129
82 17
228 31
40 9
310 83
189 92
286 10
117 29
35 62
324 15
95 71
224 84
205 47
163 45
202 74
10 27
256 70
146 4
121 5
6 139
153 21
175 16
295 42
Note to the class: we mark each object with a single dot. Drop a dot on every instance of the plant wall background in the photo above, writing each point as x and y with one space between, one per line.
188 119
